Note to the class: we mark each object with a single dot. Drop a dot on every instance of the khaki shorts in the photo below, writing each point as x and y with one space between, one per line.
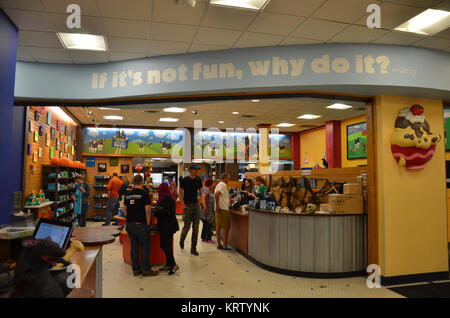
223 219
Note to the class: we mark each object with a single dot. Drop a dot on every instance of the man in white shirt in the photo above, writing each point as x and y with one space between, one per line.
222 203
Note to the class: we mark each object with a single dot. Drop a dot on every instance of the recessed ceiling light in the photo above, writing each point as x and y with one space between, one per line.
174 110
109 108
255 5
77 41
170 120
285 125
309 116
235 113
113 117
221 122
428 22
339 106
255 100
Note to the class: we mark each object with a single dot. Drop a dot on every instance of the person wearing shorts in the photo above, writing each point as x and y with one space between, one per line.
222 212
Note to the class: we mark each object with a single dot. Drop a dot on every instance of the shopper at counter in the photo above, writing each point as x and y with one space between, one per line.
113 192
167 225
83 186
138 213
173 187
207 215
248 187
222 211
189 197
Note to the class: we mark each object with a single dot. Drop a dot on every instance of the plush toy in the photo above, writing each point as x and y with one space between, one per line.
32 278
412 142
32 200
138 168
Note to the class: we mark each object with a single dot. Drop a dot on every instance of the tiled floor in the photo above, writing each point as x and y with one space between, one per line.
221 274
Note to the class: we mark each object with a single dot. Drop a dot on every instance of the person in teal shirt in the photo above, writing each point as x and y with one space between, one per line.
78 197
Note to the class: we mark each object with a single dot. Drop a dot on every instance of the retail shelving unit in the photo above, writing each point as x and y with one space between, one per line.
63 179
100 196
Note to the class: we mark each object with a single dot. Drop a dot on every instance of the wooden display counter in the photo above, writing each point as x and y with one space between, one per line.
239 231
90 262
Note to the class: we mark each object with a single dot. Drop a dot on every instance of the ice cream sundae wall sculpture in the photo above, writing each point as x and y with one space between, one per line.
412 142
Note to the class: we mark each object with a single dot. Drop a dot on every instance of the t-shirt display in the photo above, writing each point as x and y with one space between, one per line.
136 200
190 187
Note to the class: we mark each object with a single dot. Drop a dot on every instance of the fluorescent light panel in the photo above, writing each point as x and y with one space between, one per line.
174 110
113 117
309 116
254 5
169 120
285 125
339 106
109 108
428 22
78 41
61 114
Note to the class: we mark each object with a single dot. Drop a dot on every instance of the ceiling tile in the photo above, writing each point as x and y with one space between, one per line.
346 11
398 38
129 9
127 45
228 18
167 47
30 20
120 56
49 54
393 15
250 39
91 25
443 34
89 57
318 29
195 47
358 34
42 39
88 7
418 3
433 43
298 7
172 32
22 4
23 53
279 23
126 28
170 12
297 41
219 37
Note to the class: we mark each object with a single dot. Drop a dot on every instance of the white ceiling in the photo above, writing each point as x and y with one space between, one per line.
142 28
268 111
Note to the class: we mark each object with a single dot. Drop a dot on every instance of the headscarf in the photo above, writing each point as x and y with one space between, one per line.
164 190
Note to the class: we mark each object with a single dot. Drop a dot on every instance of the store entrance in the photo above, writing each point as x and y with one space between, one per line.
318 151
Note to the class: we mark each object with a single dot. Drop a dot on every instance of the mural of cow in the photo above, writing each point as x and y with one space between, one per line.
93 146
165 146
100 144
141 146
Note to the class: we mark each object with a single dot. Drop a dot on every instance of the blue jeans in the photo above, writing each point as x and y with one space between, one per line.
111 206
139 235
82 217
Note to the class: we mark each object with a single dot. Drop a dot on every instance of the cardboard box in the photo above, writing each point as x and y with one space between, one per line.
346 203
352 188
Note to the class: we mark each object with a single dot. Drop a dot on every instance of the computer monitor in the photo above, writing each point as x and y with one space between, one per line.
58 232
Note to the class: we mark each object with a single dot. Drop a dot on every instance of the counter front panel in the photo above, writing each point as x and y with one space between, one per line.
307 243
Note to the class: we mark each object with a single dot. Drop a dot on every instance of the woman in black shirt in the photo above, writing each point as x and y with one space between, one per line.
167 225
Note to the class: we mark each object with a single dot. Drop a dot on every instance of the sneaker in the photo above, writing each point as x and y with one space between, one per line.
151 273
219 247
106 224
137 273
165 268
226 248
173 270
210 241
181 245
194 253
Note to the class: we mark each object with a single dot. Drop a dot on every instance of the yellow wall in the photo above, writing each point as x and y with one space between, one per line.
312 146
412 214
354 162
